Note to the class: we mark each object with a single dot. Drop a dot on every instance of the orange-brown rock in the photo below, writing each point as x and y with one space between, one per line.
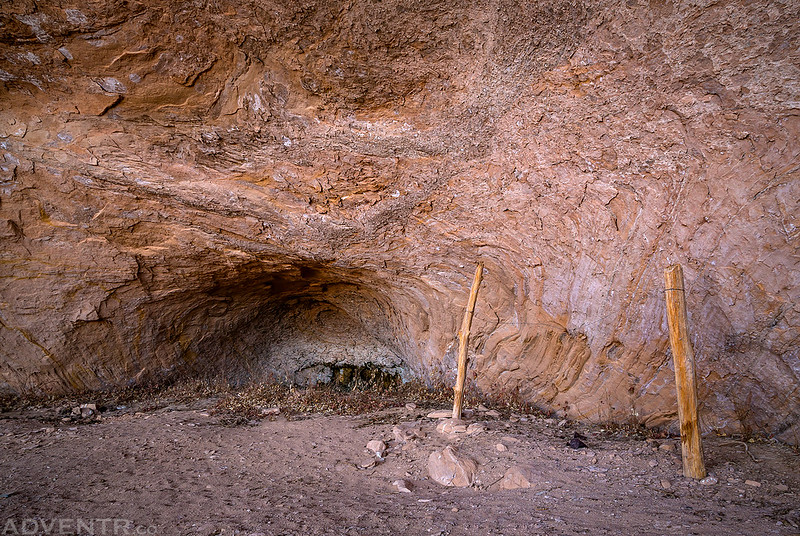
274 188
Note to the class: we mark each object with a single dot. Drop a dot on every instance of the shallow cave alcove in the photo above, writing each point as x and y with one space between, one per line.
211 209
310 325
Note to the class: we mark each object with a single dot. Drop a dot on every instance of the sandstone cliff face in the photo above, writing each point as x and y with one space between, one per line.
263 188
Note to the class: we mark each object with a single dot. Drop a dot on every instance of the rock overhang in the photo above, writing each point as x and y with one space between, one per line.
162 164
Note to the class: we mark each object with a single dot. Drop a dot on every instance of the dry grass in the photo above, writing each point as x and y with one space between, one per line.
149 395
245 404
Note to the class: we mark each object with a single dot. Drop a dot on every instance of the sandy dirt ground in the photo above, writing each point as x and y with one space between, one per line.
181 470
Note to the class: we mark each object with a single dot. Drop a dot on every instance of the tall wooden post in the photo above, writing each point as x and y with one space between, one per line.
685 379
463 339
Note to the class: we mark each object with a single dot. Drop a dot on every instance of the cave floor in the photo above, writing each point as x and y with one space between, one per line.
180 470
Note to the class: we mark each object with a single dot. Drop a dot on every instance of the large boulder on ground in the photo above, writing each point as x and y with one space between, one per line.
450 468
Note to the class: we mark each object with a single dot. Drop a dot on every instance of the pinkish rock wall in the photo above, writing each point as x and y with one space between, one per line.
259 187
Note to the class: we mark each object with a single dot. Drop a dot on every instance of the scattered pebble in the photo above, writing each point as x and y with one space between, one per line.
440 414
667 447
781 487
518 477
475 428
411 406
377 446
752 483
709 481
500 447
403 486
405 432
493 414
652 463
481 407
369 463
451 426
576 443
666 484
270 411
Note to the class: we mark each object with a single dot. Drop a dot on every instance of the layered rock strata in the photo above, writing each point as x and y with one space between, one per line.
267 188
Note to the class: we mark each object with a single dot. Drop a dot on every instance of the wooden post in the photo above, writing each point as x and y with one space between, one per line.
463 339
685 379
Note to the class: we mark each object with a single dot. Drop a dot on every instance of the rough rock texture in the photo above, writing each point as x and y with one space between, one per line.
255 188
449 468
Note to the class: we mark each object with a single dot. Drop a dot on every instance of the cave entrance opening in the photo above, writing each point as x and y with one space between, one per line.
313 324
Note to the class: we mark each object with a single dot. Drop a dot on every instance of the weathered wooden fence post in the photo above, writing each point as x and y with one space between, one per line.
463 339
685 379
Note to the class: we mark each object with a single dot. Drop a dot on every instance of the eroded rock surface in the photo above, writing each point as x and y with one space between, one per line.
255 188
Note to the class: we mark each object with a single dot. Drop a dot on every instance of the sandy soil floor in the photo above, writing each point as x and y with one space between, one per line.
179 470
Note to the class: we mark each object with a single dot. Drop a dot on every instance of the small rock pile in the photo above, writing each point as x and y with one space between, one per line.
84 413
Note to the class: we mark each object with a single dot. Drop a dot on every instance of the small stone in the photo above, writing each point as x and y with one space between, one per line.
709 481
500 447
509 439
667 447
493 414
475 428
451 426
781 487
440 414
405 432
368 463
449 468
403 486
576 443
652 463
752 483
454 509
666 484
87 410
411 406
270 411
562 422
517 478
482 408
377 446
